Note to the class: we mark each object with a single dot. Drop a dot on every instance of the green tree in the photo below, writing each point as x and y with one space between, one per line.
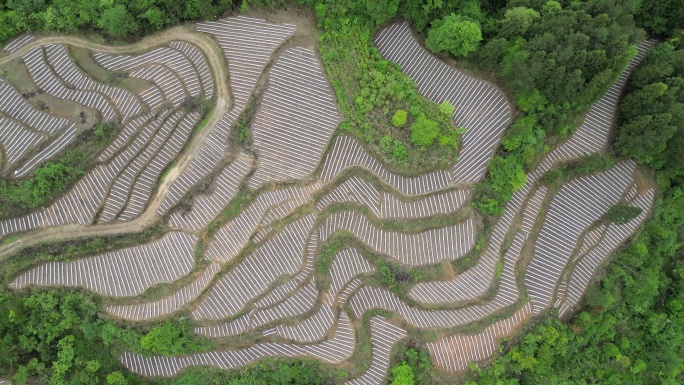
645 137
402 374
517 21
399 118
447 108
380 11
506 175
424 131
155 17
661 17
652 116
557 64
199 9
640 101
399 151
167 339
118 21
116 378
455 35
521 132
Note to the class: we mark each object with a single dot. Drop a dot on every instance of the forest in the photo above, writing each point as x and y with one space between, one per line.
553 58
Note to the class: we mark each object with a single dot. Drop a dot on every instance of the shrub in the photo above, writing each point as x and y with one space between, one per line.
386 144
424 131
447 108
489 206
414 367
445 140
386 276
399 151
402 374
506 175
552 177
167 339
116 378
414 110
399 118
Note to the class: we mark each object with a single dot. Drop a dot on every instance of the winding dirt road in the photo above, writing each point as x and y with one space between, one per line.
222 93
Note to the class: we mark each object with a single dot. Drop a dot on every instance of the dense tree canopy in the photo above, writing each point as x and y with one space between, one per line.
662 17
117 18
454 34
653 111
558 60
117 21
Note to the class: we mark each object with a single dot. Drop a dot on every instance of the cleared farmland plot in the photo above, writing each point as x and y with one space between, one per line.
585 268
24 128
269 272
248 45
334 350
346 152
454 353
386 205
295 120
14 106
15 44
17 140
121 188
121 273
280 303
169 68
279 256
167 305
579 204
474 282
268 207
482 275
41 69
384 336
592 136
428 247
125 102
206 207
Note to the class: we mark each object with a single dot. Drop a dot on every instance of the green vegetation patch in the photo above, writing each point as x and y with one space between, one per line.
375 96
54 177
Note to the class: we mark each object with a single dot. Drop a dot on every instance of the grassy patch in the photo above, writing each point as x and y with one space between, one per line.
239 202
330 249
82 57
242 135
590 164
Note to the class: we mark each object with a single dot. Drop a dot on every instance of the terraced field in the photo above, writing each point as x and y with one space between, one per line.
287 245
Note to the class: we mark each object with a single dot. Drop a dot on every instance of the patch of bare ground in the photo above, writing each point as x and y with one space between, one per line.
449 273
642 182
306 33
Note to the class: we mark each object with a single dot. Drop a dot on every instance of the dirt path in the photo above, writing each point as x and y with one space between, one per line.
219 72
